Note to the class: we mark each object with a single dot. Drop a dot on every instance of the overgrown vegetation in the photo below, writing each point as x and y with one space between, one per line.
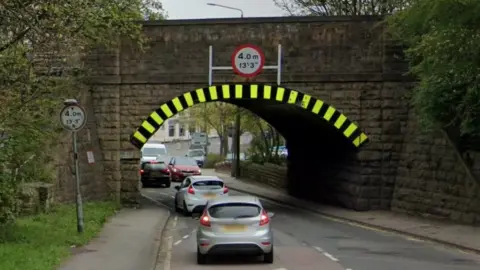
42 242
41 48
443 37
342 7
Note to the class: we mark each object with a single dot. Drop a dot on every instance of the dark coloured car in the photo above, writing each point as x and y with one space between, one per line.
181 167
155 173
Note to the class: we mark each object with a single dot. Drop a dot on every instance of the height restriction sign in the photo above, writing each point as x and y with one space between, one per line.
248 60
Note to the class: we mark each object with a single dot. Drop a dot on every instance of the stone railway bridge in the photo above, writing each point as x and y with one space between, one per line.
352 139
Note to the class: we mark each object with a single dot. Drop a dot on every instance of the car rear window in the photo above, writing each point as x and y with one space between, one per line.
234 210
208 184
155 166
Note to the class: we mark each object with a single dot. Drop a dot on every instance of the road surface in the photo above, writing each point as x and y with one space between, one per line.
305 241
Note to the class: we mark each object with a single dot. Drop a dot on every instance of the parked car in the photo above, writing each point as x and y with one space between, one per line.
234 225
194 192
198 155
155 173
181 167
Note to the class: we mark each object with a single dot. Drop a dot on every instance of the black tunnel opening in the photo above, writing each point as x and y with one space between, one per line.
319 155
321 141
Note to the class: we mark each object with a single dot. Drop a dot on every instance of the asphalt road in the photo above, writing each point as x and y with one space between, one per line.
306 241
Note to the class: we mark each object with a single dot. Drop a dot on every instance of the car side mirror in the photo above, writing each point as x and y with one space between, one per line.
270 214
177 187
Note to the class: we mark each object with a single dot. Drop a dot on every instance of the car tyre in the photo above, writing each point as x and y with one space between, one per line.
185 209
268 257
177 209
201 258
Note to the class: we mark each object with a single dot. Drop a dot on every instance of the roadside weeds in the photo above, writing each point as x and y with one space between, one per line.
44 241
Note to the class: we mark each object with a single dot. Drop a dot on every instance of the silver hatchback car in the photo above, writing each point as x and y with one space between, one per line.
234 225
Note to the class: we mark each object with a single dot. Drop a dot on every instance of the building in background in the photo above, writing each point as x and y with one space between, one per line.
178 129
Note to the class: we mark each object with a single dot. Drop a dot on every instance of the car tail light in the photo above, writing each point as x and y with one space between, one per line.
142 171
190 190
205 220
225 189
165 171
264 219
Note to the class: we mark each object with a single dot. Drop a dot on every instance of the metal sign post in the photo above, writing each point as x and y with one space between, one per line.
247 61
73 118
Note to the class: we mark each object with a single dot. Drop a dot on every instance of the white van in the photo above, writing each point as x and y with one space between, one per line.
150 151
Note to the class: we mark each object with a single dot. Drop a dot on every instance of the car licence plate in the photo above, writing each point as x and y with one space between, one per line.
234 228
209 196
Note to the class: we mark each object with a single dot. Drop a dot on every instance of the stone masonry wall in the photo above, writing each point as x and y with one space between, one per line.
348 62
92 179
269 174
432 179
345 61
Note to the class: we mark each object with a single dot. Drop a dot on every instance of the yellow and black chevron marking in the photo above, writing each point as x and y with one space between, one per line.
228 92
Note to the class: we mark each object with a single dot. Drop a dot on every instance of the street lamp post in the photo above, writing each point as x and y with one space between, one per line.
227 7
236 135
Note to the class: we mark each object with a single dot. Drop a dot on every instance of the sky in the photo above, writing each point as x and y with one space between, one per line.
198 9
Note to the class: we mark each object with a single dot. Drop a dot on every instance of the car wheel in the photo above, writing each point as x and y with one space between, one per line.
268 257
177 209
185 209
201 258
167 184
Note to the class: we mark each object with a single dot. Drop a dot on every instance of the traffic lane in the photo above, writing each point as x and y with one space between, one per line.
289 254
361 248
357 247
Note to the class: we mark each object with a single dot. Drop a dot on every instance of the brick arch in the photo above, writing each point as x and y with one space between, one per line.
229 92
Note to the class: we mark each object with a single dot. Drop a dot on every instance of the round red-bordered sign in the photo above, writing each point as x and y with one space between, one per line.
248 60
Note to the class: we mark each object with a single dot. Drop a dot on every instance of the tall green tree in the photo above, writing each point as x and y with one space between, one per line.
443 37
41 47
341 7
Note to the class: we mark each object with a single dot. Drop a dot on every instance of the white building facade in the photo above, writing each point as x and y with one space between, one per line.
175 130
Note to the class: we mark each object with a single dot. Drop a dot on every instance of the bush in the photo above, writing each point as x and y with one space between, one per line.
211 159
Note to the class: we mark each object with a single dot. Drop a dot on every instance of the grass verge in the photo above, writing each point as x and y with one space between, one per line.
44 241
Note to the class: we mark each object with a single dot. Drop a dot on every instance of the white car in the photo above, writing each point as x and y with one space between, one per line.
195 191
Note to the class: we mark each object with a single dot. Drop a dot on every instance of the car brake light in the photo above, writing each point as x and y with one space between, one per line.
190 190
225 189
264 219
205 220
142 171
165 171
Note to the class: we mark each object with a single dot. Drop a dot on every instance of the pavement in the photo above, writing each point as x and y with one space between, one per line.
129 241
306 236
306 240
455 235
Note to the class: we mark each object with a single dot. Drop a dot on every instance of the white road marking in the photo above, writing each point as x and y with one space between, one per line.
178 242
281 269
330 256
319 249
186 236
173 197
349 269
